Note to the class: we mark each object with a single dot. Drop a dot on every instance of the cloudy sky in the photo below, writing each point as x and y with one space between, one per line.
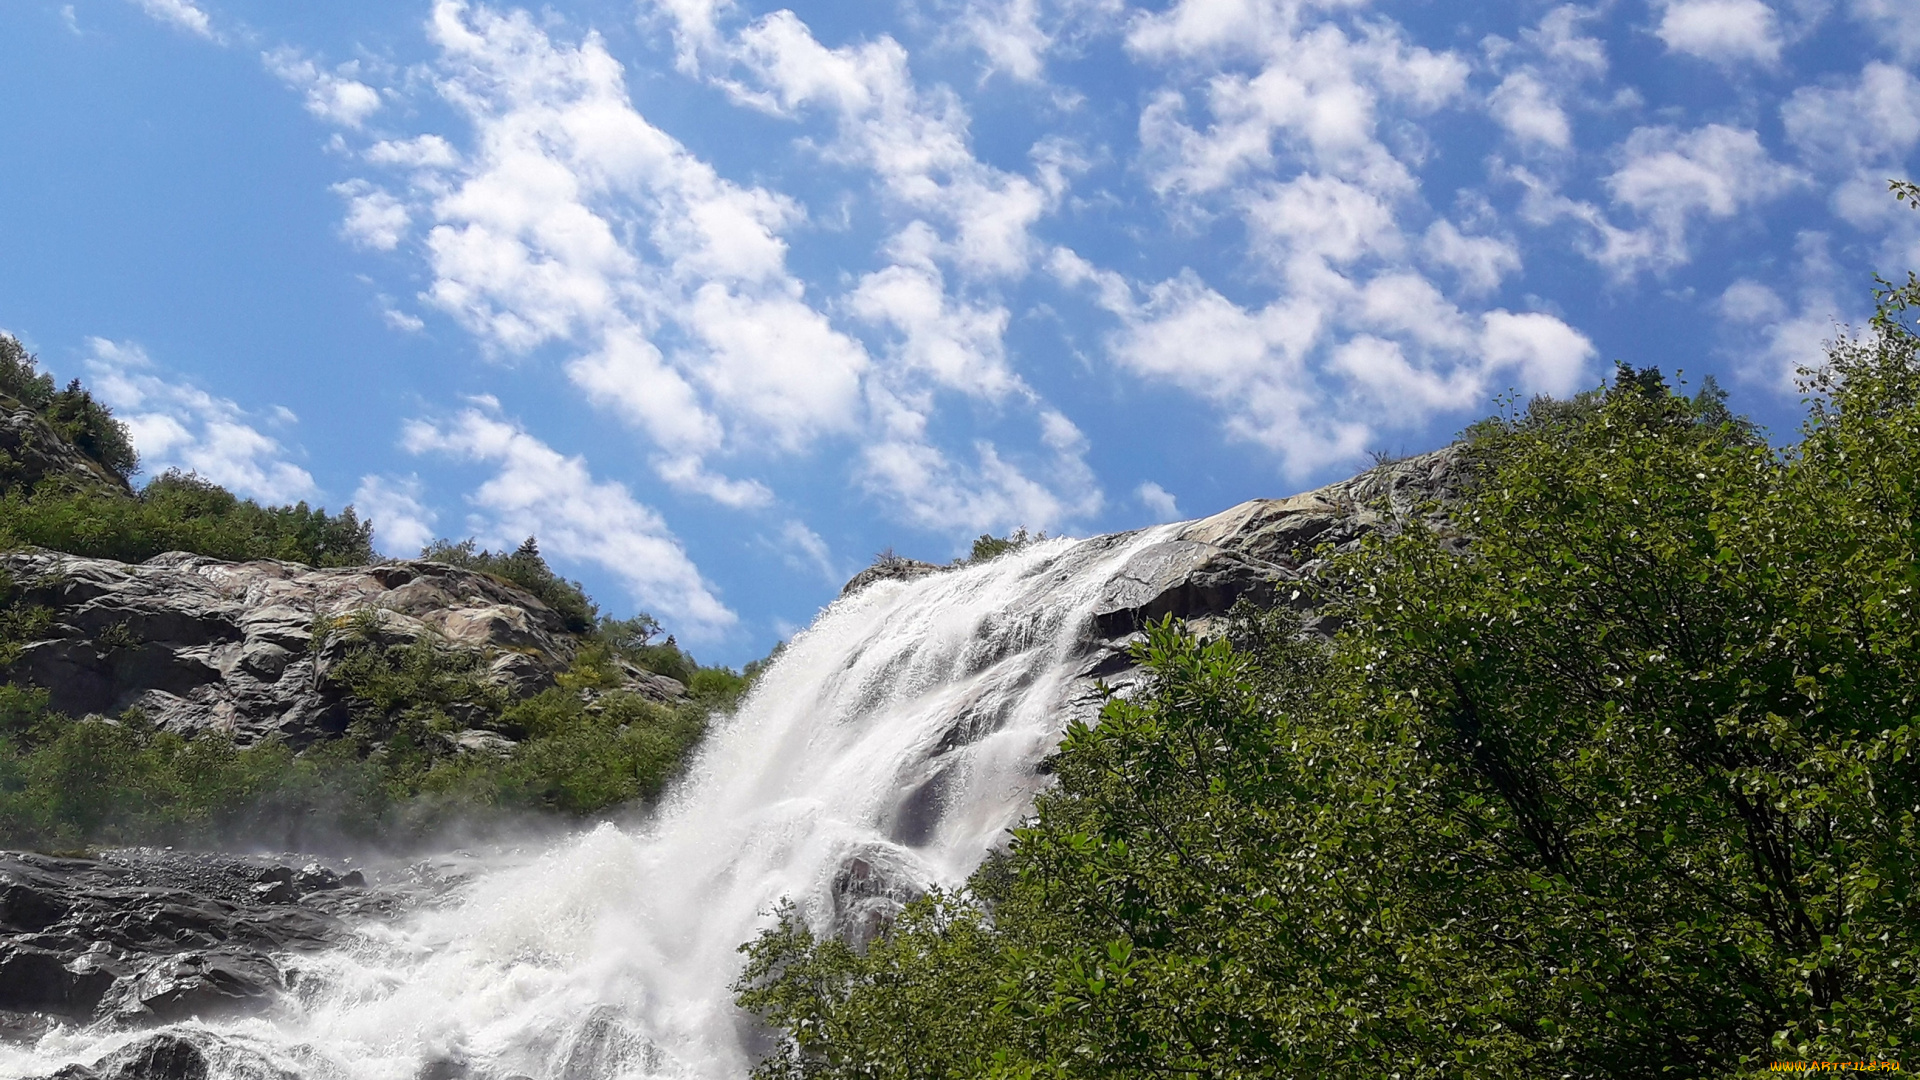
721 298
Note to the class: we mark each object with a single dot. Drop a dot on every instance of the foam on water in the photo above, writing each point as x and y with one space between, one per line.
896 738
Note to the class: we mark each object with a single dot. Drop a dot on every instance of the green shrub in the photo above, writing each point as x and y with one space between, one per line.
395 779
180 512
524 567
988 546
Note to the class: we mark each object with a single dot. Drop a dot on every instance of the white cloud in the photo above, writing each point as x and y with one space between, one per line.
1875 120
930 489
1526 108
403 321
1669 176
1320 218
1560 43
914 141
375 219
1318 90
336 96
403 524
1724 31
537 491
957 345
1480 262
1158 501
572 218
1769 339
1016 36
690 474
182 14
805 550
176 425
1894 23
422 152
1316 373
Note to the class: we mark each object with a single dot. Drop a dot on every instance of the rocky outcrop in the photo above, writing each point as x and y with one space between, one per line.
1263 549
1260 550
31 451
199 644
145 936
890 568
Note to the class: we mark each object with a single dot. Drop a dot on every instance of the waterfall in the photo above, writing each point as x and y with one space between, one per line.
889 747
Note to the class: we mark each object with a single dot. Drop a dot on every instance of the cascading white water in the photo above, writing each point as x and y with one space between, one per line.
892 744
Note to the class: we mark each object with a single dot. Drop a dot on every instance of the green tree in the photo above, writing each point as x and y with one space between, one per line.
1625 785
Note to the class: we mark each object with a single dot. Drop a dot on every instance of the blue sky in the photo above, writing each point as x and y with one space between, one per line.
719 299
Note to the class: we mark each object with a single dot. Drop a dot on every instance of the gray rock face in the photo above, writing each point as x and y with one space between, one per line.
200 644
144 936
1258 548
890 569
31 451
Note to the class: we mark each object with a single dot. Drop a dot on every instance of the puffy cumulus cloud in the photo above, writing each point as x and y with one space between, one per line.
176 425
1895 24
914 141
337 96
1875 119
955 344
1667 179
1527 109
375 219
571 218
403 523
181 14
1017 37
1669 176
1317 373
1479 262
421 152
1158 501
1858 134
1724 31
1553 62
1315 98
537 491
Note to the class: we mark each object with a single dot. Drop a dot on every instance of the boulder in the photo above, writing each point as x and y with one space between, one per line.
201 644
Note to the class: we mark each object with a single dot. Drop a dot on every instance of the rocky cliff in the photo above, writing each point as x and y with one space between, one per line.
198 644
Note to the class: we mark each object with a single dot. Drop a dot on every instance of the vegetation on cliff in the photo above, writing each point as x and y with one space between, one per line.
1627 785
400 771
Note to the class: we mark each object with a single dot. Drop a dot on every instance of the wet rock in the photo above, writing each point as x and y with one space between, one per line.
161 1057
1184 579
144 936
604 1046
869 891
